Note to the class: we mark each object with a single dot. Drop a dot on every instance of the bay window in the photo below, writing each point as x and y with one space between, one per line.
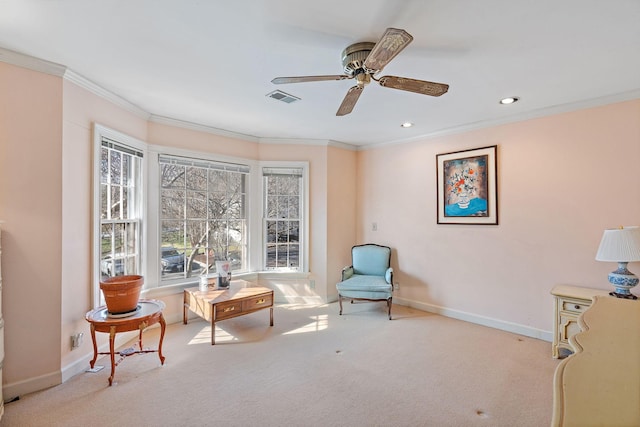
169 214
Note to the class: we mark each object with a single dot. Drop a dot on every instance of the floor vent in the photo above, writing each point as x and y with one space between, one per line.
283 96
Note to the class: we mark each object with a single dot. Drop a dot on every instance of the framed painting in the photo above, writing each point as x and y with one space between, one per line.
467 187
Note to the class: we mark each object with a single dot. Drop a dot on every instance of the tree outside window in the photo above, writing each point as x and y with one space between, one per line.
283 213
203 216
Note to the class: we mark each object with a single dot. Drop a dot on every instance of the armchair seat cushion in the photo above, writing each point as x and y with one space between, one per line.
360 284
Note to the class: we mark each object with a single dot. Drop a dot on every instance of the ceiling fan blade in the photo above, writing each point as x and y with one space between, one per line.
391 43
412 85
302 79
349 100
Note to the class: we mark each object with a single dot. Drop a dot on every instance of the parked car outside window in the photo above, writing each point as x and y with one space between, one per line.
172 260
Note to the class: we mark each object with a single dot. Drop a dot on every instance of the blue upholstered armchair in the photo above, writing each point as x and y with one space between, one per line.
370 277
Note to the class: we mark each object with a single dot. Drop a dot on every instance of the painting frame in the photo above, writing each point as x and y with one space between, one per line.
467 186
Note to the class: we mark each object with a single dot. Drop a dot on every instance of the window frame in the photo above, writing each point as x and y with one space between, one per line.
154 240
150 224
208 164
304 216
99 134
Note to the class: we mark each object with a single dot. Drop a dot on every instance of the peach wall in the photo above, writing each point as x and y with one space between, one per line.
341 214
31 206
171 136
559 179
81 110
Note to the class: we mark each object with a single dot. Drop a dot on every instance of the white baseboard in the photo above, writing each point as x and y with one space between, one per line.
19 388
477 319
30 385
10 391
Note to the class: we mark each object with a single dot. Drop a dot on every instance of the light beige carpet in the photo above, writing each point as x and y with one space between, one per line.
313 368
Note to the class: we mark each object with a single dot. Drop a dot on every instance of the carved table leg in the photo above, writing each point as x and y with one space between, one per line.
112 337
271 320
163 325
213 330
142 327
95 347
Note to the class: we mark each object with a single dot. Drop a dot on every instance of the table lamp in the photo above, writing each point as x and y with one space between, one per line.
621 245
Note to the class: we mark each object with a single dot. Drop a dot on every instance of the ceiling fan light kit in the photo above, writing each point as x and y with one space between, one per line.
362 61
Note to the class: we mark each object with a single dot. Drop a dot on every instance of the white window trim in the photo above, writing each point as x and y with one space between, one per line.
153 201
100 132
304 243
150 226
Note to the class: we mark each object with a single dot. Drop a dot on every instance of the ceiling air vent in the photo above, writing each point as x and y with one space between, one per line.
283 96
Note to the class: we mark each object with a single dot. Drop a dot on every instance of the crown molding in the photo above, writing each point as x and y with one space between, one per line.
31 62
536 114
306 141
40 65
94 88
201 128
51 68
343 145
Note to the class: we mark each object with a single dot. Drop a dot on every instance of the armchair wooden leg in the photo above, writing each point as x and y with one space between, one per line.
340 302
389 305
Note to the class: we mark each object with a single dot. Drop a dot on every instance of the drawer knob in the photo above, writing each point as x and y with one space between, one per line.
229 309
260 301
577 307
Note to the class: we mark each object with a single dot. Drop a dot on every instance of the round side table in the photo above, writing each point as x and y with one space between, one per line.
149 313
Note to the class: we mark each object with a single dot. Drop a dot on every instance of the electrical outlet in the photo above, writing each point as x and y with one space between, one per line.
396 286
76 340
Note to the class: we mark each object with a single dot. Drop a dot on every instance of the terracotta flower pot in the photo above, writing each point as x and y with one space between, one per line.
121 293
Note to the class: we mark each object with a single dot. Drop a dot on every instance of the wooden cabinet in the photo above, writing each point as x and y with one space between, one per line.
570 302
598 385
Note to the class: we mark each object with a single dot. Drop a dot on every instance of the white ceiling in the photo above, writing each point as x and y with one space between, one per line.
210 62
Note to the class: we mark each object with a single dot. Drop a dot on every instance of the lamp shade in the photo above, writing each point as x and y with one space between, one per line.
620 245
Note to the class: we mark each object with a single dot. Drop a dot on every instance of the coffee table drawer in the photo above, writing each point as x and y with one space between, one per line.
257 302
228 309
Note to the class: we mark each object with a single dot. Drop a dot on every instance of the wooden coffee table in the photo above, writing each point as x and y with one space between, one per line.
217 305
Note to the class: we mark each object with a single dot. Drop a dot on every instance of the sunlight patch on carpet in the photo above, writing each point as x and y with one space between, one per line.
320 323
301 306
204 336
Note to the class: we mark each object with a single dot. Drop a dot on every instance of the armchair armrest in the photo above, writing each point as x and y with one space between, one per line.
347 272
388 275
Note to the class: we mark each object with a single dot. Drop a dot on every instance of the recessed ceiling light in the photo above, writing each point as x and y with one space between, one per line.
406 125
509 100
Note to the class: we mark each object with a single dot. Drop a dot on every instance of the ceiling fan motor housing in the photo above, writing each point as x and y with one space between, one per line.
353 57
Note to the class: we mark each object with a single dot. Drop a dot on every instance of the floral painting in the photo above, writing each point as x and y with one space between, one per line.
467 187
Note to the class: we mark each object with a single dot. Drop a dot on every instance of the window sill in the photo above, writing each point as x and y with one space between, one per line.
253 276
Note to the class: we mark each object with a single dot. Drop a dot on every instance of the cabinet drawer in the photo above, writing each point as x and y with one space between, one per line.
260 301
575 306
228 309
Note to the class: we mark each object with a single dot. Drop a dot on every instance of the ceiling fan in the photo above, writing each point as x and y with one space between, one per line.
362 61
